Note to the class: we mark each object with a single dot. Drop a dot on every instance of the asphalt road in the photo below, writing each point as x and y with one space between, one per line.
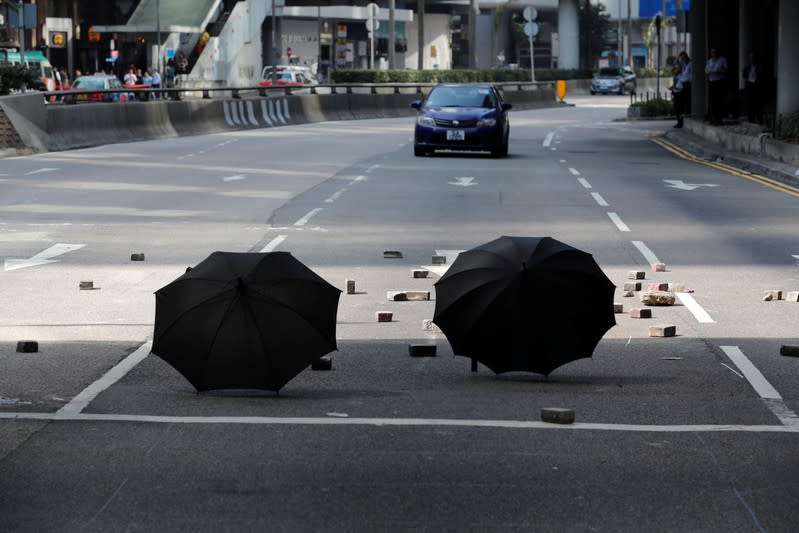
692 433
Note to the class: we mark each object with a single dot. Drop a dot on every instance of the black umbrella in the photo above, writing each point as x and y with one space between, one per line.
245 321
524 303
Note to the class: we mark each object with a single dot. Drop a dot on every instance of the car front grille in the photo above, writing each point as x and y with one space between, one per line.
444 123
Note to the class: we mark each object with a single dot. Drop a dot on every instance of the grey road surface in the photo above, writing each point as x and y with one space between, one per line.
692 433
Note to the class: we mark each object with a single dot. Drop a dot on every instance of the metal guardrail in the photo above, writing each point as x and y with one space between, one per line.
178 93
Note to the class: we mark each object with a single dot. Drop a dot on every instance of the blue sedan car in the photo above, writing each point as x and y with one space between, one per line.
469 116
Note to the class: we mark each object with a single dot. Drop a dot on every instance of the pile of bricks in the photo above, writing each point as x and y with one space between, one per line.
655 294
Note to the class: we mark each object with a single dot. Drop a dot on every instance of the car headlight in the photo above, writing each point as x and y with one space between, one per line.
425 121
487 122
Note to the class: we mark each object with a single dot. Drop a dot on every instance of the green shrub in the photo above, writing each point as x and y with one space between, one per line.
788 129
15 77
656 107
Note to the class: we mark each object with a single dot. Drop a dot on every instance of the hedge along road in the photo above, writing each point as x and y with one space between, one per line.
665 429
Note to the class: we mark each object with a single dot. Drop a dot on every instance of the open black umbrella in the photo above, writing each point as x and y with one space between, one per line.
524 303
245 321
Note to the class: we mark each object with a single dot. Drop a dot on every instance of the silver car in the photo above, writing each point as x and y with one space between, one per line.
612 80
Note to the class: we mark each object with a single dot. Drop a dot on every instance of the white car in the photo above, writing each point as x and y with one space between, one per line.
304 73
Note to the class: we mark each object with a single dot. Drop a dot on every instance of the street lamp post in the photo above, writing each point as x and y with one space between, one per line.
158 62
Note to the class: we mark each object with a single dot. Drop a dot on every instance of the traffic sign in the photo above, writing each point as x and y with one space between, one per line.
372 24
531 29
529 13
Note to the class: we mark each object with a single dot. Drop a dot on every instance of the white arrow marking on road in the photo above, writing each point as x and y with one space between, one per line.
42 258
39 171
680 184
796 257
463 182
235 177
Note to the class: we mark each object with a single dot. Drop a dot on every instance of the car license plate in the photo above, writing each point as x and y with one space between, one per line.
456 135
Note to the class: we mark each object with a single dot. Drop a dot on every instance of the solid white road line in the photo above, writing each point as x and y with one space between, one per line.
370 169
274 243
752 374
700 314
548 139
584 183
598 197
304 220
574 171
79 402
616 219
402 422
650 257
764 389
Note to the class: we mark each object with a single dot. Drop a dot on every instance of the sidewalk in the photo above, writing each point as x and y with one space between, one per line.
737 146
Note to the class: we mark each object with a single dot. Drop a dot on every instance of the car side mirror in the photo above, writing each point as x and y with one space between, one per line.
416 104
506 106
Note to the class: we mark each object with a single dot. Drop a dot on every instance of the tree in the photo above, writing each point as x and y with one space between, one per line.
594 24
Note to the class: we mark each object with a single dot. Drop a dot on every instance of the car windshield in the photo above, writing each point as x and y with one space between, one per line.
461 97
88 83
608 72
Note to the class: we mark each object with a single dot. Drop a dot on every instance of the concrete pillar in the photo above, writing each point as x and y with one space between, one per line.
744 36
787 58
392 34
420 40
568 34
697 25
474 13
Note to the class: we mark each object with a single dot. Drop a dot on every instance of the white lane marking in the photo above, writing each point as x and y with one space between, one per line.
304 220
356 179
584 183
761 385
616 219
700 314
236 177
373 167
796 257
751 373
548 139
650 257
42 258
680 184
274 243
463 182
554 149
82 400
335 195
440 270
598 197
562 160
39 171
574 171
403 422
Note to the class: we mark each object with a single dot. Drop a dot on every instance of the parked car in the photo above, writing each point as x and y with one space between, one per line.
470 116
613 80
94 82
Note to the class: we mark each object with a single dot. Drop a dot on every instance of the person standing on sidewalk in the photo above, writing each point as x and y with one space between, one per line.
753 78
682 89
716 70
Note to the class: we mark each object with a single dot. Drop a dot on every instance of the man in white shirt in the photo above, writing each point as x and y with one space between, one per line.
716 70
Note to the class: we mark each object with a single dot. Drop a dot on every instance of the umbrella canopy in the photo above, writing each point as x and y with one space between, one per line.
245 321
524 303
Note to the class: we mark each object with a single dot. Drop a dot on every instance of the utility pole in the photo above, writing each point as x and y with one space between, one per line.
619 39
629 33
392 35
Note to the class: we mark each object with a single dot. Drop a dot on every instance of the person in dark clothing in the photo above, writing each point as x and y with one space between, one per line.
682 88
753 80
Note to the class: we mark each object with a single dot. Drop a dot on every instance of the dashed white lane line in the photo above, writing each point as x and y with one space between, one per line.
700 314
548 139
372 168
650 257
79 402
356 179
598 197
274 243
616 219
761 385
304 220
584 183
333 197
574 171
